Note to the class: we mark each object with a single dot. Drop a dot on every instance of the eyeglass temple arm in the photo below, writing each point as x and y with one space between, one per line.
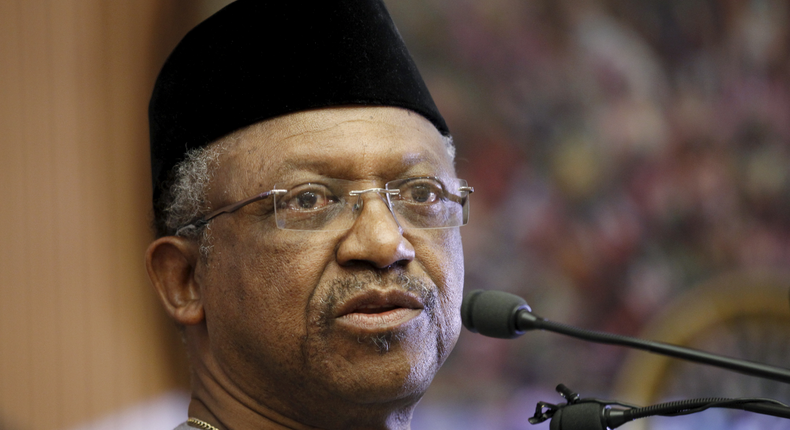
200 222
461 200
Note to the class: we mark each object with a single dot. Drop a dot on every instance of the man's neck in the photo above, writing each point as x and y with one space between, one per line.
217 401
227 413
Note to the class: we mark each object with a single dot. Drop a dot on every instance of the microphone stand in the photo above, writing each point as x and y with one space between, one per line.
528 321
596 414
504 315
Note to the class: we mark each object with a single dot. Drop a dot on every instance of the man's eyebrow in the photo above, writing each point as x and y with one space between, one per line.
330 163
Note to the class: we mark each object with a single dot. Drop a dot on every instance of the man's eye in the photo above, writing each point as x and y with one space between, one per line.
309 199
423 193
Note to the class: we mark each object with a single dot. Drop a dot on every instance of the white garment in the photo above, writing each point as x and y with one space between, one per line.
160 413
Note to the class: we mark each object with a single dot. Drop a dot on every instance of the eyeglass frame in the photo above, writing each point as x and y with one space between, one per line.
200 222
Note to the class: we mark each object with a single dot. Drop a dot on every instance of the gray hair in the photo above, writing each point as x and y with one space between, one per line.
186 199
189 190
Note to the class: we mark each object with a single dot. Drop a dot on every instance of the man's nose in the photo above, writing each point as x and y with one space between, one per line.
375 238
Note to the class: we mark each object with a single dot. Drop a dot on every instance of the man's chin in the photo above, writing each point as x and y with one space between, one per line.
390 387
383 367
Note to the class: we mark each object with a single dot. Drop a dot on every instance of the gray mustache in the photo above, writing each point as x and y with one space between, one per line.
339 290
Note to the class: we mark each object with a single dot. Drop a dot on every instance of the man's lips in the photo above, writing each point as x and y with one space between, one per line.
375 311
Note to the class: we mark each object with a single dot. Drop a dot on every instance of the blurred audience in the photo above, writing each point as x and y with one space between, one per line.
622 150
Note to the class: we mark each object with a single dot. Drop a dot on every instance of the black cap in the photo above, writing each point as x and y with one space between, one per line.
259 59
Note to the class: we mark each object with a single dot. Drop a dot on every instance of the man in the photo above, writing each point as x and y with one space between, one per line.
307 215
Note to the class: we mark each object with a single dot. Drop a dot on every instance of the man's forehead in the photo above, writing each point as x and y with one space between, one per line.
335 139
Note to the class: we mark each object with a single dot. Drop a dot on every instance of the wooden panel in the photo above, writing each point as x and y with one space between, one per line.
80 331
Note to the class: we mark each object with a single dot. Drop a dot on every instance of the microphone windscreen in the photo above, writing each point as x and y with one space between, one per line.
492 313
579 416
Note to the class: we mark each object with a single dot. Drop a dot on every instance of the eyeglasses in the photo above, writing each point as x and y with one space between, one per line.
333 204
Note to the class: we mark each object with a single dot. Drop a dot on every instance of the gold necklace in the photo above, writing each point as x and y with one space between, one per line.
202 424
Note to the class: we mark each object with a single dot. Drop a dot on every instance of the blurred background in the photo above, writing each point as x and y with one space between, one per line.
630 160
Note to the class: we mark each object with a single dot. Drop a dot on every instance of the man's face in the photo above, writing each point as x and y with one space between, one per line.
366 315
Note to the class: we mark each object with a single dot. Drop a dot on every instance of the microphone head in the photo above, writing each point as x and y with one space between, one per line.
492 313
579 416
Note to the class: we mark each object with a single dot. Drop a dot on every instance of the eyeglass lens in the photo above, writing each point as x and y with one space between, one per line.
423 202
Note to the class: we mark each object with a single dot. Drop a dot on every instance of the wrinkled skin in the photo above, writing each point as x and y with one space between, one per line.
266 344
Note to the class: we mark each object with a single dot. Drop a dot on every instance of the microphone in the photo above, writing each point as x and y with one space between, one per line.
507 316
501 315
596 414
493 313
580 416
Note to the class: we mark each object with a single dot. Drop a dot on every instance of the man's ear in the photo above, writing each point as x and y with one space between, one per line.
171 263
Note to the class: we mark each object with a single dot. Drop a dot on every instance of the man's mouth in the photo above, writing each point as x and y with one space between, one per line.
378 311
374 309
